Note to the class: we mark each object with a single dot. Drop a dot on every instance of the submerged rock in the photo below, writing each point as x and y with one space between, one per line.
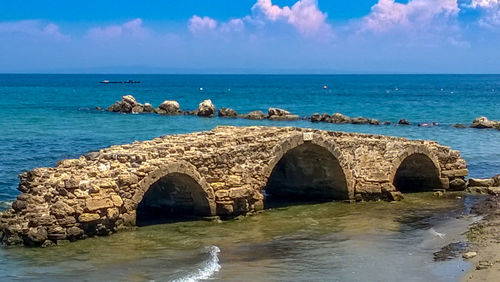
360 120
227 112
206 109
459 125
483 122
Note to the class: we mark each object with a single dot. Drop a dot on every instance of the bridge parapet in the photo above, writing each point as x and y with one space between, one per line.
226 171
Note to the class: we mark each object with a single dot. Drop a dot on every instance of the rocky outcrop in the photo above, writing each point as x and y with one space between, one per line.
340 118
484 185
169 108
483 122
280 114
227 112
404 121
128 104
206 109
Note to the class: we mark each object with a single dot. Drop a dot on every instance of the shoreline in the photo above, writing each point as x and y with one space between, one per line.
484 239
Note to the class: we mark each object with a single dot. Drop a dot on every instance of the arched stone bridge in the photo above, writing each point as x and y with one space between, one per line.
226 171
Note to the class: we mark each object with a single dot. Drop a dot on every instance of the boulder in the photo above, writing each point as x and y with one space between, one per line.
37 235
206 109
227 112
128 104
404 121
477 182
315 117
340 118
148 108
483 122
277 112
169 108
326 118
458 184
360 120
496 180
375 121
255 115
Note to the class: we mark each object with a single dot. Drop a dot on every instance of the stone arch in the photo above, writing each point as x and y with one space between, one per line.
307 166
173 190
416 170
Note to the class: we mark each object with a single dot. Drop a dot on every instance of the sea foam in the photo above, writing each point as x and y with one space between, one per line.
206 269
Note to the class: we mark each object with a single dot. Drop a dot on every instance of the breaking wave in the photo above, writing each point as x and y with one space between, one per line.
206 269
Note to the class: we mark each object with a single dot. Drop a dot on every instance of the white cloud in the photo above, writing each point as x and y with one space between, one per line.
304 15
33 28
198 24
236 25
419 14
133 28
490 9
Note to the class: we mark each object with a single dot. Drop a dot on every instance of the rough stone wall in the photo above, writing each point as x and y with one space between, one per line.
98 193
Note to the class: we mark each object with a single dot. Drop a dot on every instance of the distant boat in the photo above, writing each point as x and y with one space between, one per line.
128 81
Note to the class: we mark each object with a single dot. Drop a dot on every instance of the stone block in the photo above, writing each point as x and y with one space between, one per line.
88 217
93 204
477 182
455 173
117 200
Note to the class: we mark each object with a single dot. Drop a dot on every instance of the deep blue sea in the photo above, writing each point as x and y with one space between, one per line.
46 118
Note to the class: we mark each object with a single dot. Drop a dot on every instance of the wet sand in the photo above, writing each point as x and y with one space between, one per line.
484 237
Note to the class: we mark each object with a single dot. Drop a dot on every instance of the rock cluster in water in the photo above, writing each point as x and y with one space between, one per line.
206 108
484 185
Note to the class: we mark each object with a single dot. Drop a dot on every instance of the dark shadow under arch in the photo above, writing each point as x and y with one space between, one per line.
306 173
417 173
174 197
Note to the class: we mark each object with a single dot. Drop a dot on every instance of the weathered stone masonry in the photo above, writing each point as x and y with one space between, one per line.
219 172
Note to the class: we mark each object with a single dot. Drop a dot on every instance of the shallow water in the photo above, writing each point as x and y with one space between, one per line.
46 118
374 241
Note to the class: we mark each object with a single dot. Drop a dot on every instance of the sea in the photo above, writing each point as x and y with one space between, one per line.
48 117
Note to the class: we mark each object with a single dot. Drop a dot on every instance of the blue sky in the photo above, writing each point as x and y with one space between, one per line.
250 36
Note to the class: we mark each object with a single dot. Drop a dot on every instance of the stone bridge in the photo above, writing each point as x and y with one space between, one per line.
227 171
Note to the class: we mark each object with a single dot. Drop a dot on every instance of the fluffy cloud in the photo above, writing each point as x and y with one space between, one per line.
133 28
304 15
490 11
33 29
389 14
198 24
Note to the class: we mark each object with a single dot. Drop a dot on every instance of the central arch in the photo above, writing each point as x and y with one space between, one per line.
306 171
173 193
417 172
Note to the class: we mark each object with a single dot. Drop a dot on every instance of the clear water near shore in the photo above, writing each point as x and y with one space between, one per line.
46 118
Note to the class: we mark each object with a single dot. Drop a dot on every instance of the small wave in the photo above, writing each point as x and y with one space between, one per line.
5 205
206 269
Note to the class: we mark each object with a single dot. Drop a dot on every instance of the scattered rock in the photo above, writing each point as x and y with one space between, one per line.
255 115
483 122
227 112
315 117
148 108
458 184
169 108
469 255
477 182
404 121
206 109
280 114
128 104
340 118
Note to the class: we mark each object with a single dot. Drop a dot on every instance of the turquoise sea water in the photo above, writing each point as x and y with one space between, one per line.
46 118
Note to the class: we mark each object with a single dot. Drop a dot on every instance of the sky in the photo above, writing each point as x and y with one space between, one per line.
250 36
